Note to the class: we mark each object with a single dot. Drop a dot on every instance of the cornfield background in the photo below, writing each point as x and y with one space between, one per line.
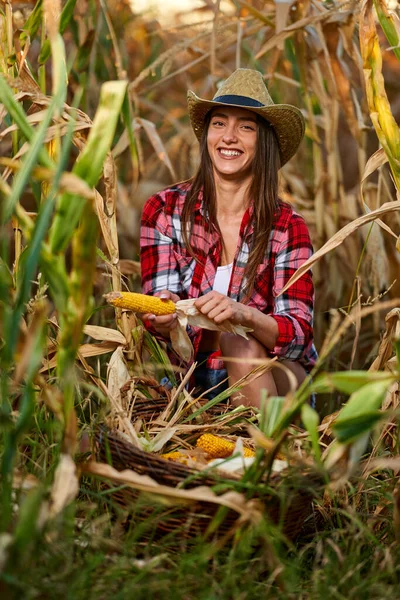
93 121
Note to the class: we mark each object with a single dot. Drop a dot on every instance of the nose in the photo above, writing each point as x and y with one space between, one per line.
230 134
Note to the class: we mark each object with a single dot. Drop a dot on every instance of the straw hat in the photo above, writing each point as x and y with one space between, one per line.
246 88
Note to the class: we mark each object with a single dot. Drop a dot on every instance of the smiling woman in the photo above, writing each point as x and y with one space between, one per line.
228 222
231 142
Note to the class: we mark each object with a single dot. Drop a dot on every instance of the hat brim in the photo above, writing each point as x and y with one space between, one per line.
287 121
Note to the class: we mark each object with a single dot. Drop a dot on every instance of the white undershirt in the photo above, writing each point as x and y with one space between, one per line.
222 279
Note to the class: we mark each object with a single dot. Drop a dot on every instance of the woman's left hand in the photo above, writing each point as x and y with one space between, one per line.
220 308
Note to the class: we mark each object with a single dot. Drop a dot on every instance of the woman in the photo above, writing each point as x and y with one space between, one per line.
225 238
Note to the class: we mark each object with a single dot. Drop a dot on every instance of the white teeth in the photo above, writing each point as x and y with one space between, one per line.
229 152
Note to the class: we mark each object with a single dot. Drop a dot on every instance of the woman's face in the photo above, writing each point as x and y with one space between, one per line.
231 141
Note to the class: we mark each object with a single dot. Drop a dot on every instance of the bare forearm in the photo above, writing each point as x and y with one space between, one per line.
219 308
265 328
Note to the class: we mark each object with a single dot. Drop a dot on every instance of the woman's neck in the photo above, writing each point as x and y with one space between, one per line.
231 196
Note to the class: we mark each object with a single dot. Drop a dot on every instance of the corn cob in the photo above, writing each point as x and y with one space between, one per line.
141 303
217 447
176 457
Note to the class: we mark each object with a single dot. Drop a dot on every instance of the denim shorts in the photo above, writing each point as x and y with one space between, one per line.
206 376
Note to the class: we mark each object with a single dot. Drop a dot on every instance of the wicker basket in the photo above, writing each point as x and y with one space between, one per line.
297 489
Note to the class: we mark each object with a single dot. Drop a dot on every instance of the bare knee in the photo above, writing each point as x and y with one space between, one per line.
283 381
234 346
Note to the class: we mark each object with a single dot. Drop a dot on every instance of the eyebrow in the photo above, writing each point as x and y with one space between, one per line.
253 120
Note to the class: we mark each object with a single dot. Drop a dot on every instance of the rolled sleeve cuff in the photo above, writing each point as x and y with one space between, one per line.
286 335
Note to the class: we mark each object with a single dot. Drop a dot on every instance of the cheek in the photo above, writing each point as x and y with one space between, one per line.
210 140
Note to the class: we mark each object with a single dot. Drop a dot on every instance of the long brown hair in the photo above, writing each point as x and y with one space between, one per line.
263 192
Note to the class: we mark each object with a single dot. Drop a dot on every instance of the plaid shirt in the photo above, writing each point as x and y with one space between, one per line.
167 265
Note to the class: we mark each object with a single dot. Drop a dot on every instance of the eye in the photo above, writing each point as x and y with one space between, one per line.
249 127
217 123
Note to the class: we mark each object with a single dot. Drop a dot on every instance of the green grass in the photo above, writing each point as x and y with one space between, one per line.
93 553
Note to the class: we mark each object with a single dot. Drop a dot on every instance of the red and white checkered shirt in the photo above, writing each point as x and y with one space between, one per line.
167 265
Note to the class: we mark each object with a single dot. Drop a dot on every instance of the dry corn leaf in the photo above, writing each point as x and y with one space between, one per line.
52 13
104 334
188 314
129 267
85 350
171 495
65 486
157 144
340 236
110 204
117 376
382 225
386 346
104 220
117 373
377 160
277 39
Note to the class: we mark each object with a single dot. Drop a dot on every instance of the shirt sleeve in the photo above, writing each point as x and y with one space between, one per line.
159 267
293 310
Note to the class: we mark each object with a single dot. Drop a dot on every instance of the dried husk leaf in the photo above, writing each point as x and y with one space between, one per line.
171 495
117 376
386 346
340 236
104 334
65 487
378 159
188 314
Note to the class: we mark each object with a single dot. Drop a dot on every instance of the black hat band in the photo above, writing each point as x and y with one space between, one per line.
239 100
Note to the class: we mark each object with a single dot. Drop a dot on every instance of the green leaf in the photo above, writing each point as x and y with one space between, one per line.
32 23
128 122
90 163
350 429
271 413
361 411
387 23
82 59
27 527
310 419
348 382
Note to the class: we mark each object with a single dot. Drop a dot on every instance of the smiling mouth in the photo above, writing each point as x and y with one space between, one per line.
229 153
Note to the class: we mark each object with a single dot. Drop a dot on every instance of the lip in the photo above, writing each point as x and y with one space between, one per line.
231 157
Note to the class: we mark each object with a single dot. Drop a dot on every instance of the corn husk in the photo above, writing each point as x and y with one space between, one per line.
187 314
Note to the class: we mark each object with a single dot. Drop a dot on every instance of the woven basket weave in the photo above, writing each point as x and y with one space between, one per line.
297 490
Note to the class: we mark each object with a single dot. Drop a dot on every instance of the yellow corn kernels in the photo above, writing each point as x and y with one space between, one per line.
217 447
176 457
141 303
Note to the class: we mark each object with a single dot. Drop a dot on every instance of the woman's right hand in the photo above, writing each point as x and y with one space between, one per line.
163 323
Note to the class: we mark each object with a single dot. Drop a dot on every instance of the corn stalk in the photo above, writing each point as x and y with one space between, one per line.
74 224
384 123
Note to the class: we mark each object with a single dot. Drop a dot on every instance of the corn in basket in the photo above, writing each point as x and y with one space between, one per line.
289 508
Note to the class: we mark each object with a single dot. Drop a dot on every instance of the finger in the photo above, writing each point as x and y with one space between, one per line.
162 320
164 294
147 317
167 295
202 301
211 303
225 315
217 311
166 328
165 320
